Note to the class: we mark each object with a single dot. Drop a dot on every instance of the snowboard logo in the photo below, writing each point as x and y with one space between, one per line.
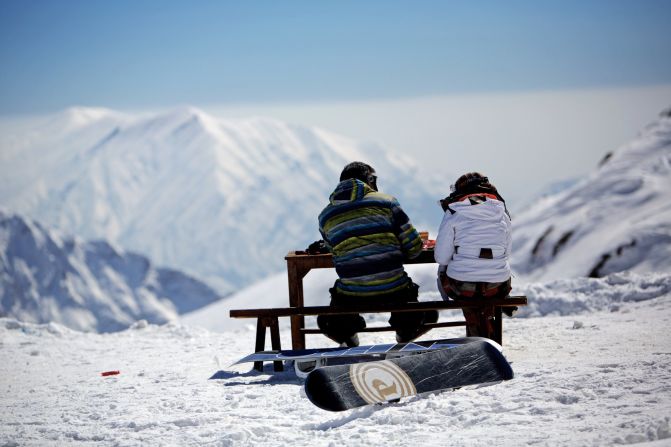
380 381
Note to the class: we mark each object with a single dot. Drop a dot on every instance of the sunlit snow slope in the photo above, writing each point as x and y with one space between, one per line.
617 218
89 286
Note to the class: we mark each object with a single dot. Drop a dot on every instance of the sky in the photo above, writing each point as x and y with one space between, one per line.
466 84
158 53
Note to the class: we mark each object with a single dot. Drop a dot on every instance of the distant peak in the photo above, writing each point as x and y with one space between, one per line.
185 112
74 117
86 113
184 116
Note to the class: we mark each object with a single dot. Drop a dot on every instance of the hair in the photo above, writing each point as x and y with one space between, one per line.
473 182
360 171
470 183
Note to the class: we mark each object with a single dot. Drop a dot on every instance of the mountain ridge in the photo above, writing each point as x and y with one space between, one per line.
86 285
616 218
222 199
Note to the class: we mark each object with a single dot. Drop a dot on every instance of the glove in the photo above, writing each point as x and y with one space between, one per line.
317 247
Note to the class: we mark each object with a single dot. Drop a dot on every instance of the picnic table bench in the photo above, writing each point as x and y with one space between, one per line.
299 263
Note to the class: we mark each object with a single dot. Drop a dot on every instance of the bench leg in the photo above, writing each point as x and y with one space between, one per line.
260 341
498 325
276 342
261 325
297 337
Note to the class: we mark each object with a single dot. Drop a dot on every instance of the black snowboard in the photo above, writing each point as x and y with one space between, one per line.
342 387
380 351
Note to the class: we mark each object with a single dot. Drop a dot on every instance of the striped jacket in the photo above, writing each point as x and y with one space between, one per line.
370 236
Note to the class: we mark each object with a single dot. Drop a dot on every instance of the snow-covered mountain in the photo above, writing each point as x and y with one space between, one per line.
89 286
219 198
617 218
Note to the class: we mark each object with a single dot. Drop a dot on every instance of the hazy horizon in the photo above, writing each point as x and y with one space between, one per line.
524 141
528 92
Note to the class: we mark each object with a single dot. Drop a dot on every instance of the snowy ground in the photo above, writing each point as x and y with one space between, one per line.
598 375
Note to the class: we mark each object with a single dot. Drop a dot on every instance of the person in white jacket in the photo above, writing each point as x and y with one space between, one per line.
473 248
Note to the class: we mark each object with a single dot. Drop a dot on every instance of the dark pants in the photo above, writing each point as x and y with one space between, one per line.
341 328
479 323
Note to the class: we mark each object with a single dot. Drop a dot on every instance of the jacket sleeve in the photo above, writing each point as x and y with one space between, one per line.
327 244
444 248
325 238
408 236
509 236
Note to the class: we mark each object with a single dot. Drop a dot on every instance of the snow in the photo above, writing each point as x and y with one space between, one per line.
594 374
617 218
90 286
223 200
591 356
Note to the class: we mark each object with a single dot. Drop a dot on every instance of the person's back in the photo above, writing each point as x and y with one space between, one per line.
473 247
369 236
474 240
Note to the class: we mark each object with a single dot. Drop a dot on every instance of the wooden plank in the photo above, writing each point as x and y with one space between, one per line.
389 328
425 257
295 273
275 342
305 261
406 307
260 341
498 325
325 260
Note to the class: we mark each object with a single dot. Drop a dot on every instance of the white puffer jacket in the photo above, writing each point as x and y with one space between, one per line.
471 227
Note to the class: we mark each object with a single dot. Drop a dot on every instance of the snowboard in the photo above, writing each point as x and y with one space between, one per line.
307 359
343 387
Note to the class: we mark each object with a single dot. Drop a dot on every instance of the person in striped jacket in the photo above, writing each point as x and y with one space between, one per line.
370 237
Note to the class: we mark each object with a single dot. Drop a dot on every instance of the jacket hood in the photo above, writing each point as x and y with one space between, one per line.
348 191
458 196
489 209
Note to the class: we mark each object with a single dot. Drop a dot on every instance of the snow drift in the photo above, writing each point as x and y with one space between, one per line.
599 375
89 286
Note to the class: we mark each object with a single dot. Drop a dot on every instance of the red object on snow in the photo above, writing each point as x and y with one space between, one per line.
110 373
